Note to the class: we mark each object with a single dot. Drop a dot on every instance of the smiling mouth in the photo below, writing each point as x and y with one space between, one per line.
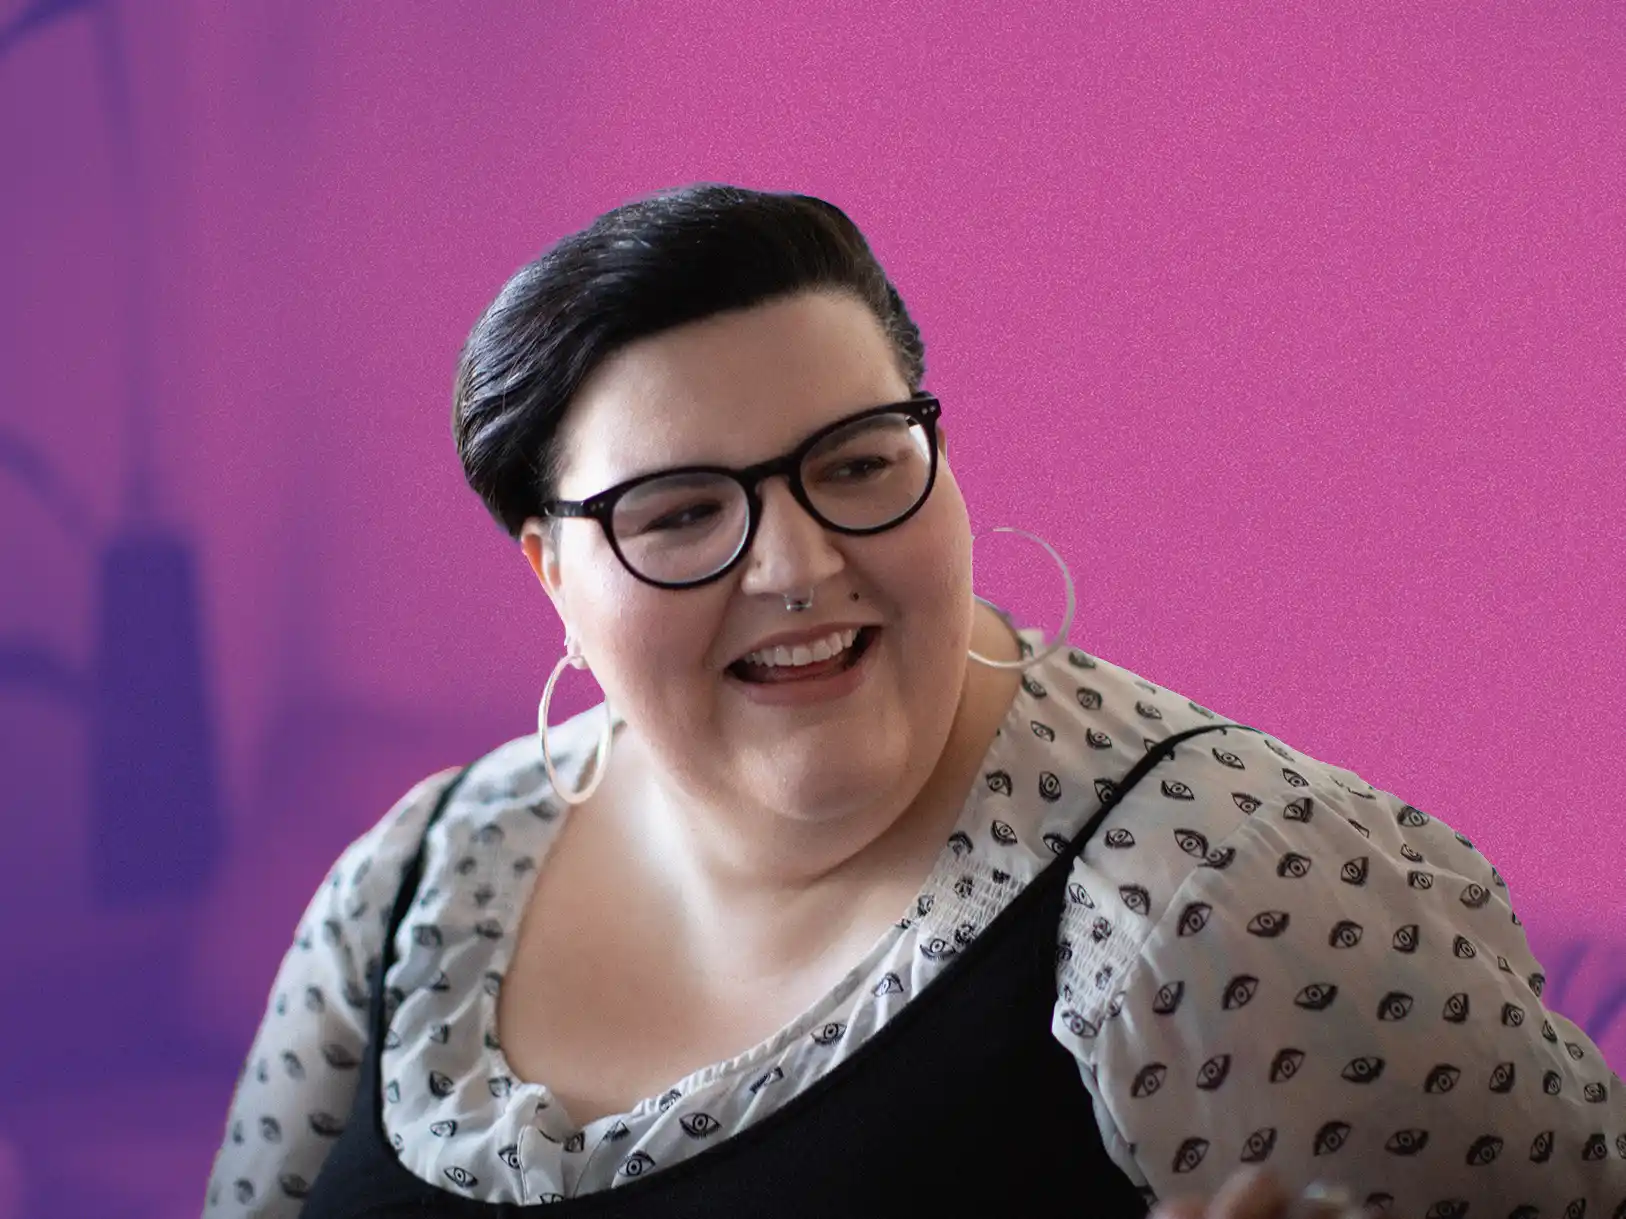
778 674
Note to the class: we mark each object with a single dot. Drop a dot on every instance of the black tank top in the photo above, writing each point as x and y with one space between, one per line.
963 1103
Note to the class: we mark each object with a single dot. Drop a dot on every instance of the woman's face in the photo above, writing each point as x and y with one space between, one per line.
733 390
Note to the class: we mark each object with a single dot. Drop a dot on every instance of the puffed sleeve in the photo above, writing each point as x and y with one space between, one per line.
1350 997
299 1079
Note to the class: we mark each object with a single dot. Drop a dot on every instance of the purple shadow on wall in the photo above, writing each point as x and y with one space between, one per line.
156 826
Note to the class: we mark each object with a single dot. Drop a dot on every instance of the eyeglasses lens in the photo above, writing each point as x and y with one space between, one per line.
689 526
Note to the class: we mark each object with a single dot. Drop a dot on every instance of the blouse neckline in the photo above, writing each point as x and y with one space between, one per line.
946 864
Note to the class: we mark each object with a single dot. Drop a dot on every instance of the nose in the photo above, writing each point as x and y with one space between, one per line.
791 552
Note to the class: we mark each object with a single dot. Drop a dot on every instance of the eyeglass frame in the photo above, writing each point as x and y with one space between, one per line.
923 408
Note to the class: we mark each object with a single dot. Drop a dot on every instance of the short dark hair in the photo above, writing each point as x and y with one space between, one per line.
655 263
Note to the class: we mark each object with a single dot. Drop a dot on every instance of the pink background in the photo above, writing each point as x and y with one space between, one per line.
1297 334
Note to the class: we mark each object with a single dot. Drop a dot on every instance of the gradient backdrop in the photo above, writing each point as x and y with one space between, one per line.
1297 329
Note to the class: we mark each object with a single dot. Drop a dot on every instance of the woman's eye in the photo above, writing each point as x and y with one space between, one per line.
858 468
682 518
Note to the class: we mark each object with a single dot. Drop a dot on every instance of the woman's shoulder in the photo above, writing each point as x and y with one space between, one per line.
1228 817
502 794
1216 795
1262 956
507 781
512 778
392 838
1077 726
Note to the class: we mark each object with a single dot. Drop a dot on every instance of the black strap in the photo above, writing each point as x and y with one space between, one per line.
1033 962
413 872
1157 753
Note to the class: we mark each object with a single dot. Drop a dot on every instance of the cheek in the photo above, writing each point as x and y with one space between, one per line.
590 574
934 567
931 583
653 644
924 579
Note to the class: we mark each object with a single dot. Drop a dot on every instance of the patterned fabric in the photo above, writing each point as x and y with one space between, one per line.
1262 960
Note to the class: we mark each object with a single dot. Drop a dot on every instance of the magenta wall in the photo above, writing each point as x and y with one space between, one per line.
1298 335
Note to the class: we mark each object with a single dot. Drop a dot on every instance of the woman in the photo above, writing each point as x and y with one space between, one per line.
852 897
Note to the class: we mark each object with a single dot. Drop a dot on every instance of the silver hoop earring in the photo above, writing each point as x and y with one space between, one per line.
601 758
1066 620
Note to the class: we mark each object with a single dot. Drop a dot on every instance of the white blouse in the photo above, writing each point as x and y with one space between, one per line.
1262 960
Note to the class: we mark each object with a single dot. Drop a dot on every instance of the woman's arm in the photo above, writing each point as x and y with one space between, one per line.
1345 994
1369 1018
299 1079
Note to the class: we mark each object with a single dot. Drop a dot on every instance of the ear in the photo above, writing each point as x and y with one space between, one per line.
539 540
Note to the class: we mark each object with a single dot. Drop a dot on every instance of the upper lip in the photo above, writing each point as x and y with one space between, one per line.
790 639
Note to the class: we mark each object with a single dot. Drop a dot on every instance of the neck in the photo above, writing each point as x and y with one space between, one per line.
761 856
762 891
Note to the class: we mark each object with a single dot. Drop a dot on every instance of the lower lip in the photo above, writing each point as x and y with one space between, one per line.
809 690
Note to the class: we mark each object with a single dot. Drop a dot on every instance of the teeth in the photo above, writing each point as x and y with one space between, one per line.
832 644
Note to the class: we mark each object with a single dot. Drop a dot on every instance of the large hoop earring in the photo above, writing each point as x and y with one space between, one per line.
1066 620
601 758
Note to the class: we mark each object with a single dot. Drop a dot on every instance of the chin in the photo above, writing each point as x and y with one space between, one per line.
829 788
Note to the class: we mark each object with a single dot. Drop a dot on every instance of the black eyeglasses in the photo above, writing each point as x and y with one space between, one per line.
690 525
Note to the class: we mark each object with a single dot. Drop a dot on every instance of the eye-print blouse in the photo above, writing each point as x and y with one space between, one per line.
1261 960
